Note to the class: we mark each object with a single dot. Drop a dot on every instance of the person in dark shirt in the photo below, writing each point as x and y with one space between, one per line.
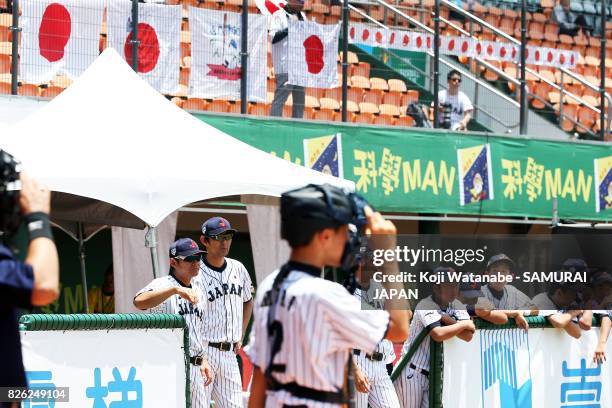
34 282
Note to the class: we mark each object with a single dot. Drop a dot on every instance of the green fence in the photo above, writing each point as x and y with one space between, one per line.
129 321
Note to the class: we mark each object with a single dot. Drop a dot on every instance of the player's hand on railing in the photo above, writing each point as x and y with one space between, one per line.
600 353
468 325
521 321
187 294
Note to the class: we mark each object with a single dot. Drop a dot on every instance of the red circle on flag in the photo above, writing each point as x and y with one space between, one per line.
537 55
526 53
429 42
562 58
419 41
513 52
572 59
148 49
451 45
464 47
550 56
54 32
352 32
392 38
271 7
365 34
502 52
479 48
406 39
313 54
490 49
378 37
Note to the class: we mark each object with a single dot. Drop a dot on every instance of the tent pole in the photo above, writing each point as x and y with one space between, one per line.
151 243
81 242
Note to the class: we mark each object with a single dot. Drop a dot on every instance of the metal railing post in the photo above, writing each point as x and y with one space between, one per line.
244 55
345 24
436 74
135 42
602 73
523 99
15 47
561 97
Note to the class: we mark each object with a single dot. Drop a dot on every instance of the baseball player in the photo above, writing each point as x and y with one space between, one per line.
305 327
227 307
476 305
505 296
372 379
443 317
558 305
181 293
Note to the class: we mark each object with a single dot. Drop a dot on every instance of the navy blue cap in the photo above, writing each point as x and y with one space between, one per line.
500 258
215 226
471 289
184 247
602 278
575 265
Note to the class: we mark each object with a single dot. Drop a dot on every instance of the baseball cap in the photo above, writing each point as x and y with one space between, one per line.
184 247
575 265
602 278
500 258
216 226
471 289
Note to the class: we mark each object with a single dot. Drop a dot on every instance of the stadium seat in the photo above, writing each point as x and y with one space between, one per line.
587 118
329 104
361 69
178 101
234 107
51 91
311 102
354 95
405 121
360 82
392 98
5 88
569 112
333 93
389 110
195 104
352 57
367 118
375 97
5 64
62 81
411 95
351 106
384 120
368 107
5 34
397 85
259 109
324 114
379 83
184 76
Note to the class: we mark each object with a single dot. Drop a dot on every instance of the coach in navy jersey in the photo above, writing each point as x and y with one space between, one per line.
227 309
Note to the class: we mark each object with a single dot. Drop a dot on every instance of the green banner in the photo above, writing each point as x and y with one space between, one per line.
434 171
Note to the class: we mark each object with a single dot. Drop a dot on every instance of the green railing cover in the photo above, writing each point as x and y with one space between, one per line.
101 321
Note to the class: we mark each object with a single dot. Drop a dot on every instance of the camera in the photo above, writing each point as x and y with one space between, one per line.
10 186
446 115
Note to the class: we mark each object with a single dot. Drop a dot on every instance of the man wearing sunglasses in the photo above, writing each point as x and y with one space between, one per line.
455 104
179 293
227 309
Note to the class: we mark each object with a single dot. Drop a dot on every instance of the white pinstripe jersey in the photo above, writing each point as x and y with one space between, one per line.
427 315
512 299
225 291
177 305
320 322
369 298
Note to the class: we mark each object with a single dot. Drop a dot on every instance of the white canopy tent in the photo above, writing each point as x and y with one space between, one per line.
115 151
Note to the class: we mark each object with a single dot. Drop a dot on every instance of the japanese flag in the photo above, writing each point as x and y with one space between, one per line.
458 46
535 55
368 34
215 54
269 7
159 33
422 41
566 58
59 36
312 54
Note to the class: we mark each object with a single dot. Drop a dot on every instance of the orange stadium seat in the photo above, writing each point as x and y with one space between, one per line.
392 98
374 97
569 112
195 104
178 101
28 90
5 64
360 82
329 104
259 109
385 120
355 95
368 107
218 106
367 118
234 107
397 85
51 91
5 88
405 121
389 110
379 83
324 114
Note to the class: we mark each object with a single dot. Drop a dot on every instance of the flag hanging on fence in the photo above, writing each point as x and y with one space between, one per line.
313 51
215 54
269 7
59 36
603 185
159 33
475 174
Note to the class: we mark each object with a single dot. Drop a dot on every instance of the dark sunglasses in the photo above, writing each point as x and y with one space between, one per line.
190 259
456 80
226 237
